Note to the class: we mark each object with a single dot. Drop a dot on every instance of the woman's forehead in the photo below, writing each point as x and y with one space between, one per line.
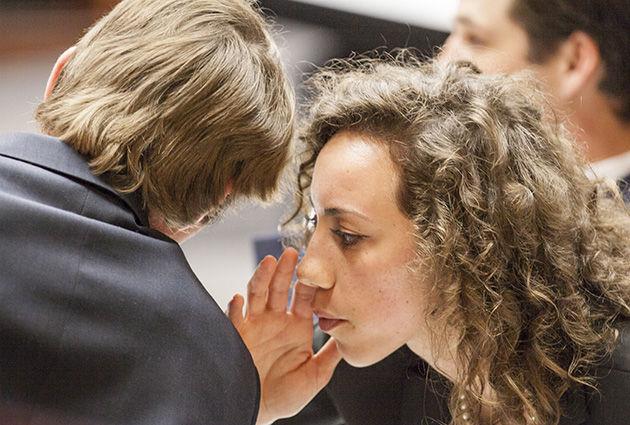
354 171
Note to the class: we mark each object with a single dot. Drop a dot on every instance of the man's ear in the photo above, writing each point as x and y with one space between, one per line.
56 71
229 188
578 63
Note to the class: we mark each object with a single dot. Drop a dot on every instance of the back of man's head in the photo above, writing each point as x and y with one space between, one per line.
550 22
177 99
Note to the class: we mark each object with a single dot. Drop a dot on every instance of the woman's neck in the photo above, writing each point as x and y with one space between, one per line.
443 359
438 353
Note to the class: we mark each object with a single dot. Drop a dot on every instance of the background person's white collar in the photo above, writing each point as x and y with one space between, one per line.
615 167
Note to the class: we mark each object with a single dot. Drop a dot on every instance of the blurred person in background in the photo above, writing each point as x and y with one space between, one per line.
461 259
164 111
579 49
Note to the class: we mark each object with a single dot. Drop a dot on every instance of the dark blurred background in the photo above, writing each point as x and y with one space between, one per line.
34 32
35 25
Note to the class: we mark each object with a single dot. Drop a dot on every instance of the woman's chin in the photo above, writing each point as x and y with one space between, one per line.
359 356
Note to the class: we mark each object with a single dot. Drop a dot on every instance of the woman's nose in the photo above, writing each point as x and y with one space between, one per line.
314 270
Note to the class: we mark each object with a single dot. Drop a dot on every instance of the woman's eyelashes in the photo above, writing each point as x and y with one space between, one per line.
347 240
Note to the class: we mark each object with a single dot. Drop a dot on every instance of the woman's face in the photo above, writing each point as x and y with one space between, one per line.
360 252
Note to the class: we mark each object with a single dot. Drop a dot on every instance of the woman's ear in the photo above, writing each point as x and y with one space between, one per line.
578 63
56 71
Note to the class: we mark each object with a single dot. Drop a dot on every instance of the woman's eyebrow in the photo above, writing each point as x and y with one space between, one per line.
336 212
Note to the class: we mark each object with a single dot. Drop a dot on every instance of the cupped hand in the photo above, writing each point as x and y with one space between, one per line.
280 339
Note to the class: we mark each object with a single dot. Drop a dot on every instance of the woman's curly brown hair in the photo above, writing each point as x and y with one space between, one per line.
530 257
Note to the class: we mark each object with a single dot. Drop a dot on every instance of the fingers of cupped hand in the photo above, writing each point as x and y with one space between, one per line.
269 286
281 281
302 300
258 286
235 309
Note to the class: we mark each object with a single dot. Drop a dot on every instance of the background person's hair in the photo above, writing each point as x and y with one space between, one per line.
549 22
177 98
525 255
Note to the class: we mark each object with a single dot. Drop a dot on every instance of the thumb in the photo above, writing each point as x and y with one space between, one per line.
326 360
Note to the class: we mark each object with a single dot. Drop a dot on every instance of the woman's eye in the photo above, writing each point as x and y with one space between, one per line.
347 239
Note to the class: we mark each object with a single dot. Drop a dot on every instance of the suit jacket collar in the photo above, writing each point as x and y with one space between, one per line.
52 154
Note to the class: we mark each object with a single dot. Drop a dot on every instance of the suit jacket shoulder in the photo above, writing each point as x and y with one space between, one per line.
102 321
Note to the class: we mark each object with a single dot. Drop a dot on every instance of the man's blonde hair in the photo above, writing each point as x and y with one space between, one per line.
177 99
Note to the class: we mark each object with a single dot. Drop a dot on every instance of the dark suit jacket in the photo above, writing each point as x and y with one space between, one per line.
402 389
102 321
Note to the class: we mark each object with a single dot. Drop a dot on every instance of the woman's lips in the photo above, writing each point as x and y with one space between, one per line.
327 324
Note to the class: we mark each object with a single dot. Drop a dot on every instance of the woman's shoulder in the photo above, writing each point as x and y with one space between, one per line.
620 359
618 362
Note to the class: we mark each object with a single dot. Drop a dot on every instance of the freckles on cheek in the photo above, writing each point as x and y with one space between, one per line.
376 285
